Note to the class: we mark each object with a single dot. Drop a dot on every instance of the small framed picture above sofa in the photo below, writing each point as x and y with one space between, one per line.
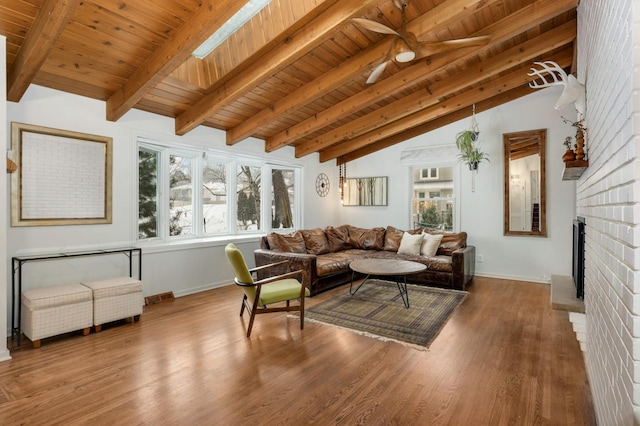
365 191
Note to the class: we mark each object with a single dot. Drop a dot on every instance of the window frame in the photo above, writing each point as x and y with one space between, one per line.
200 155
456 179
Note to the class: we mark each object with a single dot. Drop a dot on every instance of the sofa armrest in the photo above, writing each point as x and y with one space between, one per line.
463 265
290 262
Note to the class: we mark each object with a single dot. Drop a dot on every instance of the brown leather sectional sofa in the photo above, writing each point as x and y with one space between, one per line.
325 255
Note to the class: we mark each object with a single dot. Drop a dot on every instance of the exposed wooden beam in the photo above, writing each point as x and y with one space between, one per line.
444 120
299 44
491 88
433 20
506 28
177 49
43 35
418 101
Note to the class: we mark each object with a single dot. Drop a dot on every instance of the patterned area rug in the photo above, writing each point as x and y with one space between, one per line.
377 310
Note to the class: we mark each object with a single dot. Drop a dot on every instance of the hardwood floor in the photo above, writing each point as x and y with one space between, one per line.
504 358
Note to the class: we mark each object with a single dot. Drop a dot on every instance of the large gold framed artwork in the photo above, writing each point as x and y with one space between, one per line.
63 177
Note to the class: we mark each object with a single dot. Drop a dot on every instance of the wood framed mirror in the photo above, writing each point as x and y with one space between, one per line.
525 183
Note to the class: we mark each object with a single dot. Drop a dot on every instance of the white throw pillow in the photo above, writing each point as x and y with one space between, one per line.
410 244
430 244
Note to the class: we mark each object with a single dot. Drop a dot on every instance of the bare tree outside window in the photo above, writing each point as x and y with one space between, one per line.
248 197
282 190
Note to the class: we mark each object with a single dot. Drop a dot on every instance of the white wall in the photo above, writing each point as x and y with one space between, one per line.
608 198
481 212
183 269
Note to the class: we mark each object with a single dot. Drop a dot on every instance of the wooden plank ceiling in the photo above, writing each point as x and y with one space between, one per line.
295 75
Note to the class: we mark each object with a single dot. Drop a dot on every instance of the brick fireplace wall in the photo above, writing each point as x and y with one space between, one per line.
608 196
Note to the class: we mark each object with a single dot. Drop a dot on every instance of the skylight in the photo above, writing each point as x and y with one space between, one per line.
234 23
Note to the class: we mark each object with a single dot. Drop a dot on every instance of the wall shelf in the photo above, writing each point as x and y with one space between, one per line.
574 169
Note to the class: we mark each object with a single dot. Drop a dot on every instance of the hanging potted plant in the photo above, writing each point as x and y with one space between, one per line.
469 152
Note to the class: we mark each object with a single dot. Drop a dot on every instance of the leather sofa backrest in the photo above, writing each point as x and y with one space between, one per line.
450 241
316 241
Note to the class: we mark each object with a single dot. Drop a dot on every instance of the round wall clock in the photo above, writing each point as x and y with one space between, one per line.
322 185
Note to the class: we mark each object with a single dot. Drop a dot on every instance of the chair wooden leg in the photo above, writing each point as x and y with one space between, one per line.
302 312
253 315
244 299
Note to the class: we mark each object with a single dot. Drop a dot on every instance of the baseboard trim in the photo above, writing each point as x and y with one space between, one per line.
514 277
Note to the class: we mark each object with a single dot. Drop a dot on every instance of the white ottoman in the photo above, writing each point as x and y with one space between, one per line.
56 310
114 299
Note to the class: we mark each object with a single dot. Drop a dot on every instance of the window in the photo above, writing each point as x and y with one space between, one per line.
184 193
282 198
180 195
147 193
248 187
215 208
431 173
433 202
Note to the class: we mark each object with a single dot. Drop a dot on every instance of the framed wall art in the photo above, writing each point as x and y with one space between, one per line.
365 191
63 177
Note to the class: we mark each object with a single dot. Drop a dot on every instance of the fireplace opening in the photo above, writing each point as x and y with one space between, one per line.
578 256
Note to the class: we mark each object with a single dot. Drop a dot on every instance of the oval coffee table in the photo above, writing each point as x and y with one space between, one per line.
386 268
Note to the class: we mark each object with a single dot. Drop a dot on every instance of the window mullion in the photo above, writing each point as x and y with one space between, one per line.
232 195
196 201
163 211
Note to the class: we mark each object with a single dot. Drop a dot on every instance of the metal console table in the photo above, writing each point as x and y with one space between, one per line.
18 261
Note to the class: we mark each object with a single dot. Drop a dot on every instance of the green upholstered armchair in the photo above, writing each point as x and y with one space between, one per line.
259 294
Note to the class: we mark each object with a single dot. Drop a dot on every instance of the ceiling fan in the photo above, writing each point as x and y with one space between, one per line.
406 47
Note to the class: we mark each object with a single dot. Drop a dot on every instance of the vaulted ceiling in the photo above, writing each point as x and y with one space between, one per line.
295 75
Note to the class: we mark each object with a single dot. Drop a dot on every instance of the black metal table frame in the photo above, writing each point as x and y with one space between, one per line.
18 261
401 283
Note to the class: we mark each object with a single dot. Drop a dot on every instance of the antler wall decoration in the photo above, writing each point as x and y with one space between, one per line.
552 74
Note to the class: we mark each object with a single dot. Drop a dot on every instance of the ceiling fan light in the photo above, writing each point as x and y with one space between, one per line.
407 56
402 50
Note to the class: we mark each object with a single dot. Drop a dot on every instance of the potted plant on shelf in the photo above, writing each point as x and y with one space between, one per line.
469 152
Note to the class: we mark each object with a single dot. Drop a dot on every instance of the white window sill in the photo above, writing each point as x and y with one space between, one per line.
195 243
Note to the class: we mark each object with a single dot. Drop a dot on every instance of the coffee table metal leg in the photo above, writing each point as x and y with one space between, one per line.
402 288
352 292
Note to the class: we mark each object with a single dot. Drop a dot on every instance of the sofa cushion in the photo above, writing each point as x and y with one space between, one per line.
289 243
337 262
410 244
450 241
315 240
393 236
366 239
430 244
338 237
434 263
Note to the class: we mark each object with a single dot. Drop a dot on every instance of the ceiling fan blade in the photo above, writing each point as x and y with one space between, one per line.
377 72
428 48
374 26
